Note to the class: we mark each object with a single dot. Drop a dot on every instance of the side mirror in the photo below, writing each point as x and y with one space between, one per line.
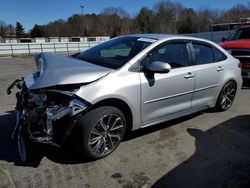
158 67
223 39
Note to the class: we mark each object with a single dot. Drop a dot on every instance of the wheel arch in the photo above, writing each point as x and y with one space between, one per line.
121 105
224 83
228 80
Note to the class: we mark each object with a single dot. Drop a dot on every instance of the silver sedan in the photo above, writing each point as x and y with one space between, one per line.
121 85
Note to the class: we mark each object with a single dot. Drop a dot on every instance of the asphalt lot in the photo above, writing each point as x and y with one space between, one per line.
203 150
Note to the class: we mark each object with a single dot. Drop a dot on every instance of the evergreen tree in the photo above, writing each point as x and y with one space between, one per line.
36 31
19 30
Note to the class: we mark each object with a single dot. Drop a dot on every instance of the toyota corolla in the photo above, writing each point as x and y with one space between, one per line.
121 85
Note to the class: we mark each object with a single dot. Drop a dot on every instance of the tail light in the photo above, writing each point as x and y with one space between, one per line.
245 66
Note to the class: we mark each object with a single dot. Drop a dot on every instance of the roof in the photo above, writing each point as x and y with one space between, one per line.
168 36
155 36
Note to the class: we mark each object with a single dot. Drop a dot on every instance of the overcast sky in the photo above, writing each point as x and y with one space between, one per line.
30 12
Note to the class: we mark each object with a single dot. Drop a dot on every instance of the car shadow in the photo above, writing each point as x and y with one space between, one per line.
64 155
221 159
8 149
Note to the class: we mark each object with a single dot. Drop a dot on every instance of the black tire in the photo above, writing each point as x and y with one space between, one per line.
226 96
94 141
24 145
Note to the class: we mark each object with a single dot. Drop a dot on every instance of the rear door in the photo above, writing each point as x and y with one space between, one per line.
209 68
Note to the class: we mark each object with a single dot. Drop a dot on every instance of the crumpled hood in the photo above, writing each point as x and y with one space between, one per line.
61 70
235 44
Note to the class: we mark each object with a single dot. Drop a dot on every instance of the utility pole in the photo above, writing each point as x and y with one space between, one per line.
82 7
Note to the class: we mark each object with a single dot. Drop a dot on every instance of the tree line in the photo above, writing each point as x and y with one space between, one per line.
165 17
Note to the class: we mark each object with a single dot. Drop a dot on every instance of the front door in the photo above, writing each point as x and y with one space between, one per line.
168 93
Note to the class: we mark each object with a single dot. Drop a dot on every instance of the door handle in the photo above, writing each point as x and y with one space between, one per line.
189 75
219 69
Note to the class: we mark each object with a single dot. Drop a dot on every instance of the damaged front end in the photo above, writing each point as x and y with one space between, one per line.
44 115
47 107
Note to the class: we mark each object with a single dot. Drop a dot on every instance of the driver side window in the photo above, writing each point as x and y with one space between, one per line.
176 54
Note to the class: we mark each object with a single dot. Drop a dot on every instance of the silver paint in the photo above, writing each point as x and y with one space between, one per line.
180 92
61 70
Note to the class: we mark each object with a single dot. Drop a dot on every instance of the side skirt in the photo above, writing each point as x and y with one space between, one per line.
176 115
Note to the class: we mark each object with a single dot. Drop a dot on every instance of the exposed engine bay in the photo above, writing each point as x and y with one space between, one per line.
46 115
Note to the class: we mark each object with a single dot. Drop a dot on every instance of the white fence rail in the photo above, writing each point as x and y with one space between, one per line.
32 48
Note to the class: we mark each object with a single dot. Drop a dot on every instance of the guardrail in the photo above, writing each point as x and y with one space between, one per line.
10 49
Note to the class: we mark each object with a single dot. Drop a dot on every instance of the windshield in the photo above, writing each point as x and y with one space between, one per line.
115 53
243 33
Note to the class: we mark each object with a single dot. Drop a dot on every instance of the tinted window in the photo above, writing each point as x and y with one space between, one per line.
116 52
120 50
203 54
243 33
218 55
175 54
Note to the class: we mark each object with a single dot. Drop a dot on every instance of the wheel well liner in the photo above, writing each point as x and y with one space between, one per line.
234 82
121 105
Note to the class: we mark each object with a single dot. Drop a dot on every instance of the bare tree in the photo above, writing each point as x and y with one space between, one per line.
235 14
165 17
168 14
109 11
206 18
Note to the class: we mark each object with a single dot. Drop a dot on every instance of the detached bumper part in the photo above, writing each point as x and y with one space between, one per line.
75 107
18 83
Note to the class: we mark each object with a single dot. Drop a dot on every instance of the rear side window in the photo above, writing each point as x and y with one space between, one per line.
203 54
218 55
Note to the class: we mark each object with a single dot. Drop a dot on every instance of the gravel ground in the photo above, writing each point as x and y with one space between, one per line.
203 150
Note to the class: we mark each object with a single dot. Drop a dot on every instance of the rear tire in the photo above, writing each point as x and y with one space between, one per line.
226 96
102 130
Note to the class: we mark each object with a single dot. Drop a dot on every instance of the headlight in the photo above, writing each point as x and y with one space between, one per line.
77 106
39 65
29 80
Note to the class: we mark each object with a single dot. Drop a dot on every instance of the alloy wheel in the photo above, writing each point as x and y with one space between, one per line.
106 135
227 95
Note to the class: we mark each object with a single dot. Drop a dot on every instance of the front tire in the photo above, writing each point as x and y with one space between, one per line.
226 96
22 145
102 130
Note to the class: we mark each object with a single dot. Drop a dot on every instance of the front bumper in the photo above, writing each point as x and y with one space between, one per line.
50 118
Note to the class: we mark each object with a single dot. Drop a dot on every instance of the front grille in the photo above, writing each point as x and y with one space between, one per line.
244 74
243 59
242 54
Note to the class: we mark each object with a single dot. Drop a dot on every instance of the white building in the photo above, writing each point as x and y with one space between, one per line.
102 38
10 40
39 40
78 39
54 39
64 39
